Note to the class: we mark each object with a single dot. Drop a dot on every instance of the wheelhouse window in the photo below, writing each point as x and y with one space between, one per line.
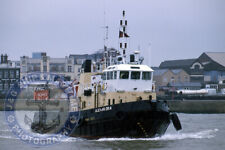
115 74
124 74
146 75
104 76
109 75
135 75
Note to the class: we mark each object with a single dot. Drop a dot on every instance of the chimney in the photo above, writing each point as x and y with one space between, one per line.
6 59
2 59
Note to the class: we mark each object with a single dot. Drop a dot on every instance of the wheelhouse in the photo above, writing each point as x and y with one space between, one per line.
128 77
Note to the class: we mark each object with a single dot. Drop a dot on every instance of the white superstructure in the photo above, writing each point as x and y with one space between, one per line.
127 77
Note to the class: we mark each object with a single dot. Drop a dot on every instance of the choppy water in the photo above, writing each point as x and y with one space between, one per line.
200 131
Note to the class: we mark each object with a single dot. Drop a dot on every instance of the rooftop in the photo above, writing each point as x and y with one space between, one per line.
129 67
218 57
182 63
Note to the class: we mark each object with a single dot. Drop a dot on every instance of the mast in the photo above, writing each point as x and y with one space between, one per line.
106 28
106 46
123 37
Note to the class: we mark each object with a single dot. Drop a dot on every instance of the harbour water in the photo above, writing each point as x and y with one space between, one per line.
200 131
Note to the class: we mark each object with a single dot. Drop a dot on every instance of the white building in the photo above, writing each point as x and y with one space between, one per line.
63 66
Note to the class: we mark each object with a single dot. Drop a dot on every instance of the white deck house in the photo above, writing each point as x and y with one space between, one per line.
127 77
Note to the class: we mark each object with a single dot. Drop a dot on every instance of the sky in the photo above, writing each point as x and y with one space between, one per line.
161 29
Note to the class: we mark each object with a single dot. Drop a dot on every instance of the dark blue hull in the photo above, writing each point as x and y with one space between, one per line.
134 119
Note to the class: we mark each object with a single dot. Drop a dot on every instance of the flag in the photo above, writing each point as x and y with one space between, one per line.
120 34
126 35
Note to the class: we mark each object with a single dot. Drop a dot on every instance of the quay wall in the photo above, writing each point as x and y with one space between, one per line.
180 106
21 104
197 106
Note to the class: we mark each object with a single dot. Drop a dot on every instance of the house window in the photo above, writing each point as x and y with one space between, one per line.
172 79
6 86
6 74
24 69
196 67
1 74
11 74
17 74
69 68
1 86
185 78
113 102
45 68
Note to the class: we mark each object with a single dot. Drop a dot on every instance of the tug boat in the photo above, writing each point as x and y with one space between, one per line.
120 102
119 99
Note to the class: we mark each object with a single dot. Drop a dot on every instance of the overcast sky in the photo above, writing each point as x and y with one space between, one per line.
176 29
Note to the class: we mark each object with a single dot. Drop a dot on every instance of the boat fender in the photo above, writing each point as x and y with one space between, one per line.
104 86
120 115
176 121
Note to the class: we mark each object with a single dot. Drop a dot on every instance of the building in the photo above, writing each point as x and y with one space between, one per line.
9 74
167 77
38 55
196 75
63 66
213 65
97 58
208 68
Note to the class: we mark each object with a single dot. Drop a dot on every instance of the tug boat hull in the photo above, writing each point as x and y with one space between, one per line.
141 119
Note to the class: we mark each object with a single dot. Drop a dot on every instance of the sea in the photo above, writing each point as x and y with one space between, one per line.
200 132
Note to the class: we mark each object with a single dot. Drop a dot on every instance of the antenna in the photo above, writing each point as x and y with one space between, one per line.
149 54
123 37
106 28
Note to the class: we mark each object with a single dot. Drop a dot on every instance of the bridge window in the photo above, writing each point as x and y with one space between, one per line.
124 74
135 67
104 76
135 75
146 75
110 75
107 78
115 74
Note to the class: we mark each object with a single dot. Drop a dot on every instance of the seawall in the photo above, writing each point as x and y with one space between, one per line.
180 106
22 104
197 106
